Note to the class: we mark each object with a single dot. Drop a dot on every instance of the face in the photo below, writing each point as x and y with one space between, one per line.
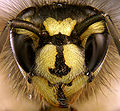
63 49
60 49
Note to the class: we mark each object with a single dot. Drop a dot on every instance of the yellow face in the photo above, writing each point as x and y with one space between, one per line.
60 70
59 55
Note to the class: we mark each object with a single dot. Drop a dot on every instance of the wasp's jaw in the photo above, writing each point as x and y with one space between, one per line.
60 94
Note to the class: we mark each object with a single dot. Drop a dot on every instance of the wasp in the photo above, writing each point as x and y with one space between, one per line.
59 48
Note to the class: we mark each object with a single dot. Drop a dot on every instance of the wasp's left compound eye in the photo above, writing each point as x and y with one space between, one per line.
95 51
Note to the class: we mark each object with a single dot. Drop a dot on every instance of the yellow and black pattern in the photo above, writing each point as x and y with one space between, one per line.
60 49
54 53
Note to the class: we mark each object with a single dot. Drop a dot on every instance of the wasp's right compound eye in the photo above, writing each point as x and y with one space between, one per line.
24 41
24 51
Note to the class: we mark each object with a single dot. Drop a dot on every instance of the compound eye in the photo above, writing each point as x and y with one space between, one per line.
95 51
24 51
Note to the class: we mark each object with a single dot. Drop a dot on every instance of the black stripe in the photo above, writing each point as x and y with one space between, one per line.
61 97
61 69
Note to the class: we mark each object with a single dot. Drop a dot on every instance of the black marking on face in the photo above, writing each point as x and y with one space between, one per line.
61 69
59 39
61 97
